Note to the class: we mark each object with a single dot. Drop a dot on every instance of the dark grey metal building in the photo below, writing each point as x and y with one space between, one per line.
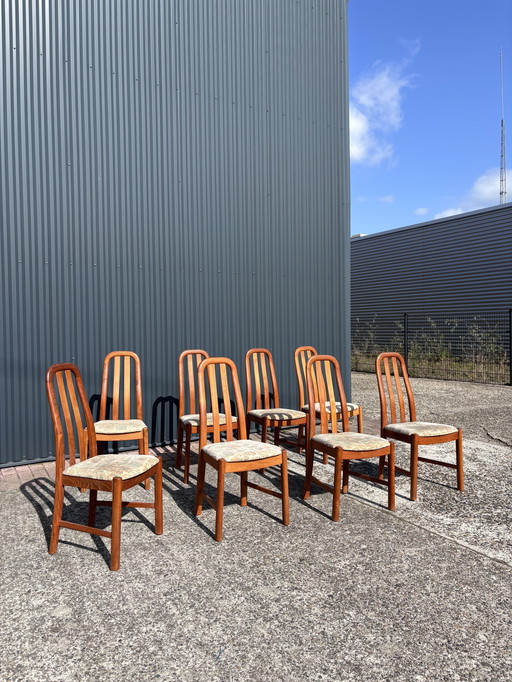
173 174
461 264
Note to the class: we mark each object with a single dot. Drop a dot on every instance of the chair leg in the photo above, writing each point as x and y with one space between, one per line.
219 507
243 488
93 497
337 487
57 515
310 453
391 477
284 490
346 474
360 420
179 445
460 463
117 502
200 485
188 434
145 451
159 507
414 468
276 435
382 464
299 438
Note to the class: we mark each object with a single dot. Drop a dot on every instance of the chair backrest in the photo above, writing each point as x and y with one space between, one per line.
71 415
302 355
188 362
260 380
219 393
121 373
395 392
325 388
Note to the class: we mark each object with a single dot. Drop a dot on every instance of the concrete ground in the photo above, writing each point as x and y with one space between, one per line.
423 593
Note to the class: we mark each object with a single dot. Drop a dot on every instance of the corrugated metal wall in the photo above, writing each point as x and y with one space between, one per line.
461 264
173 174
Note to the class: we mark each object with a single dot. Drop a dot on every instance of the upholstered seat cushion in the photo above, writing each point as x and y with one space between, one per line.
351 407
117 426
354 442
107 467
423 429
278 413
241 450
194 419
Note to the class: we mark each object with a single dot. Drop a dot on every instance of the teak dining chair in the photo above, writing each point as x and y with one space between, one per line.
218 382
120 370
301 357
188 414
262 398
398 419
74 431
324 382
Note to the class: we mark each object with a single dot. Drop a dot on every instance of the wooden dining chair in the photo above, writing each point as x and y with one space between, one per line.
301 358
188 408
324 383
262 398
74 434
219 384
120 417
398 419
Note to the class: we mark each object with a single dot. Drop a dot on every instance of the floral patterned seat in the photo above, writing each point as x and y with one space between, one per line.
352 442
118 426
277 413
423 429
193 419
107 467
241 450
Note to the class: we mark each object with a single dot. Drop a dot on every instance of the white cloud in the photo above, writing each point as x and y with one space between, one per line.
376 110
388 199
485 191
421 211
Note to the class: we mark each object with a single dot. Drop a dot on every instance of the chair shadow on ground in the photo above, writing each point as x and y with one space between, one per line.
40 493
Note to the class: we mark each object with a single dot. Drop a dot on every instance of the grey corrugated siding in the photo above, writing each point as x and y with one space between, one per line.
173 174
462 264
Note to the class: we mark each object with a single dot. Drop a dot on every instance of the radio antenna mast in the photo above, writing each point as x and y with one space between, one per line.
503 170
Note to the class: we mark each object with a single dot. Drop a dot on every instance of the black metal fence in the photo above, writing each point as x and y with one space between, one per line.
461 347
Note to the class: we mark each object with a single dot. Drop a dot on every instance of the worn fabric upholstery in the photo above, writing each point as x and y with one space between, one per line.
350 407
278 413
117 426
194 419
241 450
423 429
107 467
355 442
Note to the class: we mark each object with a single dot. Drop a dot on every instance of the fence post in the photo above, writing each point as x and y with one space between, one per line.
510 343
406 340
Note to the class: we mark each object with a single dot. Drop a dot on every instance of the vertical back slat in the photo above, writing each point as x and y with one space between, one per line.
212 384
398 388
265 376
191 374
127 386
66 412
257 381
391 393
115 388
226 399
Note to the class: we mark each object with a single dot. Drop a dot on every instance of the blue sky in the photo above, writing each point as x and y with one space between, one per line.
425 108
